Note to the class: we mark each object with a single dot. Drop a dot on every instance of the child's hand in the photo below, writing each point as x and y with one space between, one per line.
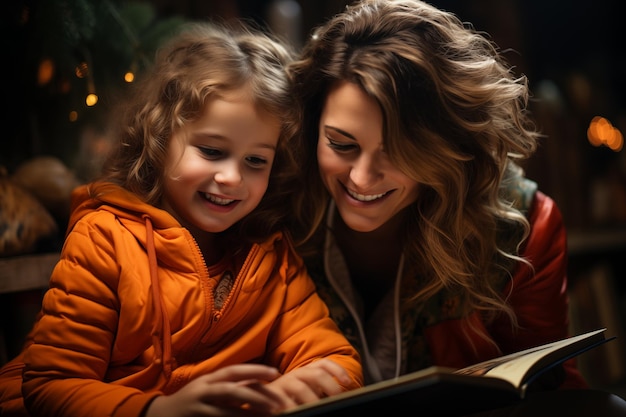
223 393
312 382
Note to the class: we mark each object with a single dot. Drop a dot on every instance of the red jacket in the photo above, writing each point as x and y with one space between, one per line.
539 300
130 315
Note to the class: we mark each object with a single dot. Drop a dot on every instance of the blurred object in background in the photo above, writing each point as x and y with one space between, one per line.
25 224
285 19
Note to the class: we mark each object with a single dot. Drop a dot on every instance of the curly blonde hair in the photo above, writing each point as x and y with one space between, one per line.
454 120
202 60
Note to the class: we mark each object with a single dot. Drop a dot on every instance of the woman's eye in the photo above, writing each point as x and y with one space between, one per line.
341 146
211 153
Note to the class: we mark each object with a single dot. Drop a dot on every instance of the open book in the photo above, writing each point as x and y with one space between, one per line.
451 392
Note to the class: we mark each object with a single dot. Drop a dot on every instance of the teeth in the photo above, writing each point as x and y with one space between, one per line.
363 197
217 200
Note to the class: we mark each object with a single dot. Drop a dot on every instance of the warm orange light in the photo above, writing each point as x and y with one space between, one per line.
129 77
91 100
602 132
615 141
46 71
73 116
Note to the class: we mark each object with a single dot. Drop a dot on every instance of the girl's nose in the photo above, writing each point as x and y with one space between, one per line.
228 173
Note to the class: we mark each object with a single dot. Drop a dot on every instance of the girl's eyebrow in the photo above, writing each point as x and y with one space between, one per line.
266 145
225 139
341 132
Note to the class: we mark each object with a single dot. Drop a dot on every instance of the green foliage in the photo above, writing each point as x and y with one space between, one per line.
105 38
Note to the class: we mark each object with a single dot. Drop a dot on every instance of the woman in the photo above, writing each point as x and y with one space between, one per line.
436 249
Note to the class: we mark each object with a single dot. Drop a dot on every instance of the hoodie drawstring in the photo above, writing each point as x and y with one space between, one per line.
161 332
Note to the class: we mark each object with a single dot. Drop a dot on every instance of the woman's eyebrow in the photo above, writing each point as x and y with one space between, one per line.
341 132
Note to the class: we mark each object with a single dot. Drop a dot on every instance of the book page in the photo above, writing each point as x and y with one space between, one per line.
515 368
452 391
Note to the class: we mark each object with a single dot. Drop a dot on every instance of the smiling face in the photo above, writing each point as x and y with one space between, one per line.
366 186
218 166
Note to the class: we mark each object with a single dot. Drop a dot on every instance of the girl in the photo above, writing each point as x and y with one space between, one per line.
176 292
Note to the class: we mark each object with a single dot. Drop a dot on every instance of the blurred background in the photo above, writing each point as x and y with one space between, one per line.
66 61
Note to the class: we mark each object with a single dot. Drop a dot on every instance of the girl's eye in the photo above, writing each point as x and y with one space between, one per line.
256 162
341 146
211 153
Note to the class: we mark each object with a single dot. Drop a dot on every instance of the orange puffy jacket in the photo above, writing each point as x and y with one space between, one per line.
129 314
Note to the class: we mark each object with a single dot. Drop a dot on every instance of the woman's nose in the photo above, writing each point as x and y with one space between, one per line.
365 172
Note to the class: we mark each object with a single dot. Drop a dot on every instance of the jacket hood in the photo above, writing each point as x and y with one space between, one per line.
119 201
133 214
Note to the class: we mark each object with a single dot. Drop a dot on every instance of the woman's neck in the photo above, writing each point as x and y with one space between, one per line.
372 257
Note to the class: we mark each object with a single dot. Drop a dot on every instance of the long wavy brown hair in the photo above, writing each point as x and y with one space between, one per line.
454 119
203 60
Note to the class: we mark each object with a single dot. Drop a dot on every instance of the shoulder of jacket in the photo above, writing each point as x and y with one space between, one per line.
519 190
100 219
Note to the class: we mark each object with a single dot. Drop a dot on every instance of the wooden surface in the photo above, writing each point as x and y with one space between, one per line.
26 272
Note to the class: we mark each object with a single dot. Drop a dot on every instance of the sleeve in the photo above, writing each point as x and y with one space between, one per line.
539 294
305 331
66 364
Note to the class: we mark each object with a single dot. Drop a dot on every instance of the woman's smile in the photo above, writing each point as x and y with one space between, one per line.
368 189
